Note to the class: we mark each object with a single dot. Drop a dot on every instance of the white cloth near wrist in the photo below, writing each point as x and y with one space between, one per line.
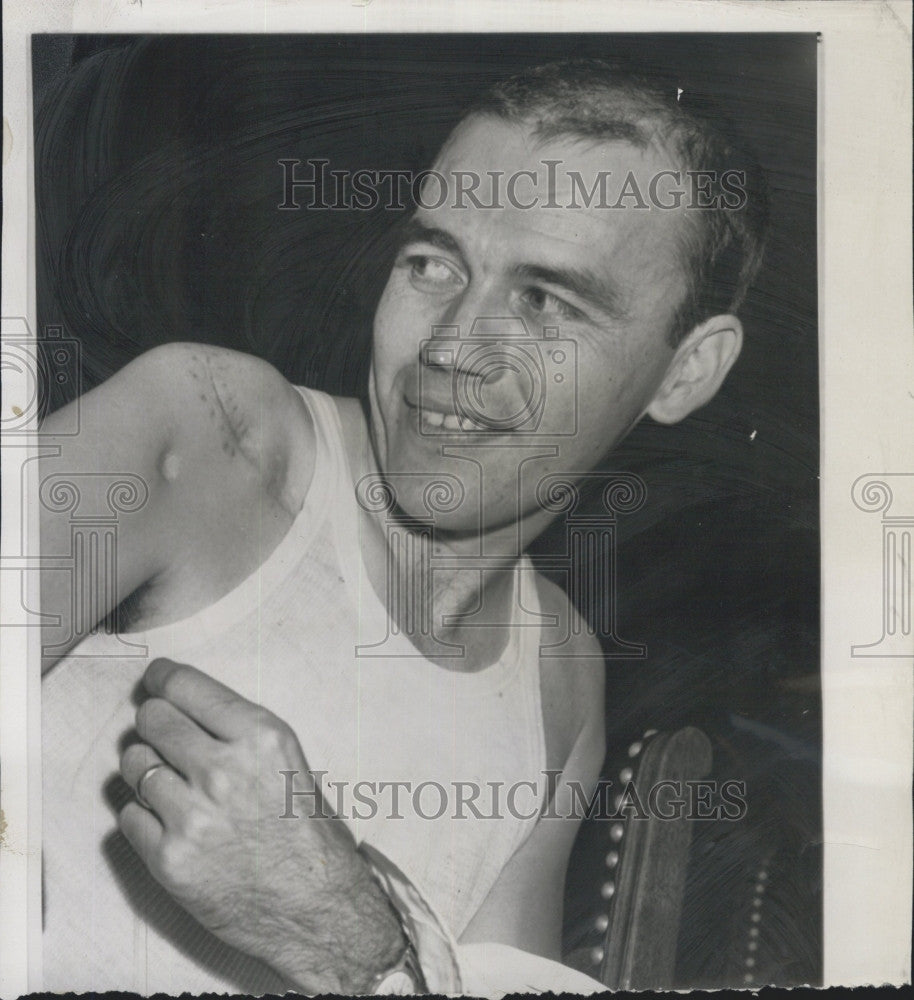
435 948
482 970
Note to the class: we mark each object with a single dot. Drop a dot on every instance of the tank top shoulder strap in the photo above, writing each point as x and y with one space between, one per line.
526 679
331 485
527 609
529 636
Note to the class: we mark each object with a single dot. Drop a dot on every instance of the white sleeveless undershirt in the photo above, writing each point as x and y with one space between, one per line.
286 638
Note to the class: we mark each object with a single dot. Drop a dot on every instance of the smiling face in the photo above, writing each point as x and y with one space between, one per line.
596 289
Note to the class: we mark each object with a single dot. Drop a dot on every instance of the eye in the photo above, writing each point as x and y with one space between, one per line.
432 273
539 301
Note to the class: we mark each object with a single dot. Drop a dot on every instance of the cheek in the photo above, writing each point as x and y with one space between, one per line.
615 387
398 325
384 336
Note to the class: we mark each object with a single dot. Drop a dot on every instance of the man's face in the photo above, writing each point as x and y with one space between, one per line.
596 288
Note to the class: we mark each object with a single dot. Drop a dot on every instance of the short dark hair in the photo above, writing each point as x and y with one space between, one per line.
604 101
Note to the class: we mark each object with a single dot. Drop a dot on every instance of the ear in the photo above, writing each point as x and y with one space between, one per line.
698 368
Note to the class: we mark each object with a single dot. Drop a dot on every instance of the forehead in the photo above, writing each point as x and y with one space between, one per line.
639 247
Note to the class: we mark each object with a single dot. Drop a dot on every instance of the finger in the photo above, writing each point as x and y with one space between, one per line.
159 786
217 708
177 738
136 761
142 829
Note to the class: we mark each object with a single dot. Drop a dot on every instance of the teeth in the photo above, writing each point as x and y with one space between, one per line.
450 421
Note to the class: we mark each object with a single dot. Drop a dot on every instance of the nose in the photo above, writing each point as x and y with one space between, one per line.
480 311
486 353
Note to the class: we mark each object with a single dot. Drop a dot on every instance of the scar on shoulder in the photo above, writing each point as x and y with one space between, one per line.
223 408
170 465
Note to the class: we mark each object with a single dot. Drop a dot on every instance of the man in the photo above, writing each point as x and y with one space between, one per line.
258 552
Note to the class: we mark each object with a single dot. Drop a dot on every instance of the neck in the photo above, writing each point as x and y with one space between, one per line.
459 585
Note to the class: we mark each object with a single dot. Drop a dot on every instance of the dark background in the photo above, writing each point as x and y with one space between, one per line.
157 188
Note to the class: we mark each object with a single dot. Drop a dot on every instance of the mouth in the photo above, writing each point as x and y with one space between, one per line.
432 421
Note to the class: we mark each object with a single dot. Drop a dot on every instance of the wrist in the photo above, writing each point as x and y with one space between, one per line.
382 943
361 938
433 946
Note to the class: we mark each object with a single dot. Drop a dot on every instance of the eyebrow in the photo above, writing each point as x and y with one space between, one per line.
417 232
586 284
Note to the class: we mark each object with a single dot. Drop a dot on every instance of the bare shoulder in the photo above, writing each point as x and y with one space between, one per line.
208 405
223 447
244 397
572 686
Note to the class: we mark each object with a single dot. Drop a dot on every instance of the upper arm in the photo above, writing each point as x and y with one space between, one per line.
163 425
524 907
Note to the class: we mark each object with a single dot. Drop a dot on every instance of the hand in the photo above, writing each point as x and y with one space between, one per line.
294 892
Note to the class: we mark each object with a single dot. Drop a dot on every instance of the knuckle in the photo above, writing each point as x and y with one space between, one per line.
173 862
258 716
195 826
217 783
276 738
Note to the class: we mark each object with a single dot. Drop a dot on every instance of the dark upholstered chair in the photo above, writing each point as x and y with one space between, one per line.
630 933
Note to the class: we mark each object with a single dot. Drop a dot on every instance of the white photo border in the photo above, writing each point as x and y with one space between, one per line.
866 398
